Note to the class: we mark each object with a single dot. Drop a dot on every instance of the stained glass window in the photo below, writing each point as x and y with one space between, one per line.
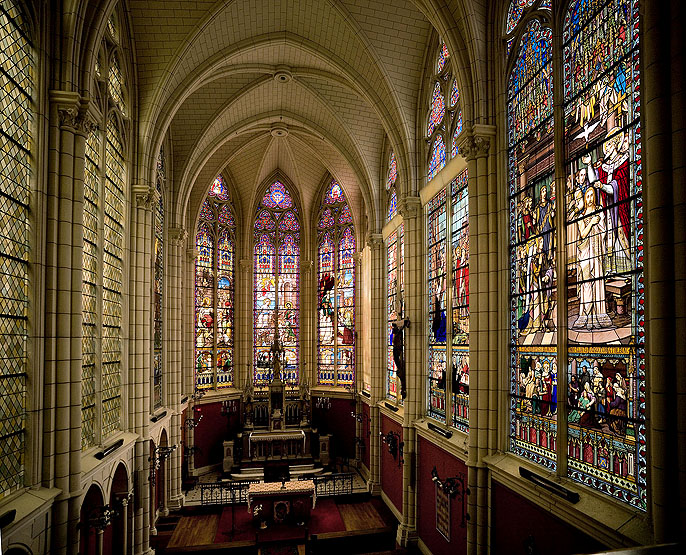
395 303
444 123
437 160
91 217
605 372
158 284
16 59
113 252
115 84
276 283
606 434
336 293
214 290
392 171
437 109
392 205
448 330
533 329
514 13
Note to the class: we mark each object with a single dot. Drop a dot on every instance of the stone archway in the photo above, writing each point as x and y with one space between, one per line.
92 538
119 500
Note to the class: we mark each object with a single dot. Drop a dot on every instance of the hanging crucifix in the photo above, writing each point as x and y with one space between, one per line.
399 342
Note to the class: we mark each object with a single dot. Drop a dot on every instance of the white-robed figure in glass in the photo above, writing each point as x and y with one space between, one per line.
591 251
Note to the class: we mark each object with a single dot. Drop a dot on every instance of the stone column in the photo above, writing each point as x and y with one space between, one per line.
177 237
61 426
125 524
377 320
483 298
140 343
245 339
99 537
410 208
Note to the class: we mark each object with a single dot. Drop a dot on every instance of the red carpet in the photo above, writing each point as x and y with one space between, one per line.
324 518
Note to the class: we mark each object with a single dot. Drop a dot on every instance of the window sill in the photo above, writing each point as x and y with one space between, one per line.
606 520
397 416
456 445
28 503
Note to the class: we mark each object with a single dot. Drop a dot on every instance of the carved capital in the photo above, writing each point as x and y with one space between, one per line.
68 117
409 207
177 236
245 264
357 257
475 146
146 198
375 240
192 253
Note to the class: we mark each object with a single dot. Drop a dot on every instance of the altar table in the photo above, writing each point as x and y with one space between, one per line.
282 501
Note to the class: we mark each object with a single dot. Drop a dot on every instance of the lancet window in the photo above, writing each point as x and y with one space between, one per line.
448 333
276 283
600 392
390 187
335 290
104 220
158 285
17 67
215 242
395 303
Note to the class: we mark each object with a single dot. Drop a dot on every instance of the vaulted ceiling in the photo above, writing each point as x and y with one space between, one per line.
305 87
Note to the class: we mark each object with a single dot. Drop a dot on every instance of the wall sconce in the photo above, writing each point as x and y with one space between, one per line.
101 517
392 439
323 403
189 452
198 394
157 457
453 487
192 423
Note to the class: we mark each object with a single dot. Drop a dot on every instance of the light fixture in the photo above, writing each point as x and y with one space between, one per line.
453 487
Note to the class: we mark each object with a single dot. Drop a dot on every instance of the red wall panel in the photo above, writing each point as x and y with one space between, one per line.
518 522
447 466
366 429
338 422
211 433
391 471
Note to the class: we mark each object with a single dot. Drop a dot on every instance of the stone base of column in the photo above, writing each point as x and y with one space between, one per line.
164 512
153 531
176 503
406 536
374 487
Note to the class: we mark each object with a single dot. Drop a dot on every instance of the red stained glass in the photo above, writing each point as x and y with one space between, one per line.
437 109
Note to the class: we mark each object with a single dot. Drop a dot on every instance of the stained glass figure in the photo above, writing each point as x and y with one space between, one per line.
533 301
276 284
395 303
437 160
437 299
16 59
514 13
437 109
392 171
336 292
606 433
215 269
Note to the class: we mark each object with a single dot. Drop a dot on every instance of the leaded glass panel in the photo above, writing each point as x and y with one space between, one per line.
395 303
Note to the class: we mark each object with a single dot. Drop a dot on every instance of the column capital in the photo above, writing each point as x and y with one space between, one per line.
409 207
375 240
192 253
177 236
245 264
146 197
476 142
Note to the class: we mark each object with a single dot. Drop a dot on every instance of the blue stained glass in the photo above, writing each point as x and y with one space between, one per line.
437 109
437 160
456 134
392 171
392 205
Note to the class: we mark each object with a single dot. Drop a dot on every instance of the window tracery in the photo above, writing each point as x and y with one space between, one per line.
158 285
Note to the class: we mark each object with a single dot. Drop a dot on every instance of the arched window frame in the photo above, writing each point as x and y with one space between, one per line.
286 240
578 452
442 80
214 285
19 66
336 291
105 218
391 187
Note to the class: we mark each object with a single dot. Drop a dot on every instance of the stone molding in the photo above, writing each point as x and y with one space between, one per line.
146 198
177 236
72 120
375 240
409 207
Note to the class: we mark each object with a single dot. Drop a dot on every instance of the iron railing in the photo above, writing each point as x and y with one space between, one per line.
225 493
332 484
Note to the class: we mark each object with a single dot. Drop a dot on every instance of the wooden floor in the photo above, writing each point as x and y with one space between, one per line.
360 516
195 530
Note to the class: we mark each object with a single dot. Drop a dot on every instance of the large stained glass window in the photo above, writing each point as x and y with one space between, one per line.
395 303
215 241
604 373
448 330
16 60
335 290
276 283
606 437
444 117
158 285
